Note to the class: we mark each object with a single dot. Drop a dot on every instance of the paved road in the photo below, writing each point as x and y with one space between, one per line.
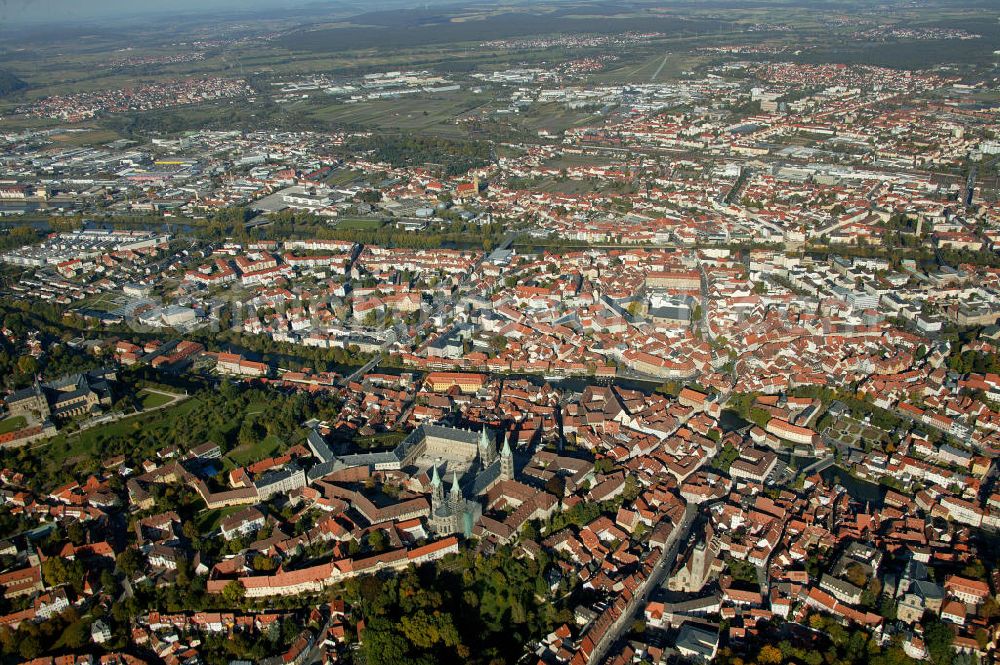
361 371
315 653
652 79
762 580
819 465
970 185
706 330
655 579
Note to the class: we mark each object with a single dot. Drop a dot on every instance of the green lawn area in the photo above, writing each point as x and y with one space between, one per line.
102 302
569 186
11 424
343 177
742 570
151 400
208 520
86 444
359 224
380 441
243 455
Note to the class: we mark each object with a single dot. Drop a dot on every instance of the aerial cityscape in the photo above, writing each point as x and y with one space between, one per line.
542 332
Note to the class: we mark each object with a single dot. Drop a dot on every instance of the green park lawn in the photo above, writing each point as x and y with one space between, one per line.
151 400
209 520
12 424
246 454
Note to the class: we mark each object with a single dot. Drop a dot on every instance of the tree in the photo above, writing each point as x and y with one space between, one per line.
234 593
250 432
631 490
130 562
376 540
58 571
27 365
938 637
381 644
856 575
8 641
75 532
769 655
76 634
30 647
263 563
759 417
498 343
604 465
426 630
190 531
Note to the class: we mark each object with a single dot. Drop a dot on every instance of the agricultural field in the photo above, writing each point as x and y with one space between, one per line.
433 115
86 137
554 118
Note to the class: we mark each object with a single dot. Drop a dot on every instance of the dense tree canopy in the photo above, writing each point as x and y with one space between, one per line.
466 609
456 157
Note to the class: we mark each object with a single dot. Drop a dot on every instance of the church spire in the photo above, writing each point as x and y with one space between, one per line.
506 460
437 489
456 491
487 449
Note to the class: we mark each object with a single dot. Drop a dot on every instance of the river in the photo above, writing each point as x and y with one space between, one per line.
44 226
860 490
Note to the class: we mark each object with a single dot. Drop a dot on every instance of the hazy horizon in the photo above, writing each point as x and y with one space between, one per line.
41 12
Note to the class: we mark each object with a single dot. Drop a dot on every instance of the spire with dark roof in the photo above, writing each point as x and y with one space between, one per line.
506 459
455 503
487 450
437 490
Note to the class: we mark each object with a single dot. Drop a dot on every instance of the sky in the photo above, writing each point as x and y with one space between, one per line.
47 11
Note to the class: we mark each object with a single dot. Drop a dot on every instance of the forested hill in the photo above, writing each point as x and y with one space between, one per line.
10 83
